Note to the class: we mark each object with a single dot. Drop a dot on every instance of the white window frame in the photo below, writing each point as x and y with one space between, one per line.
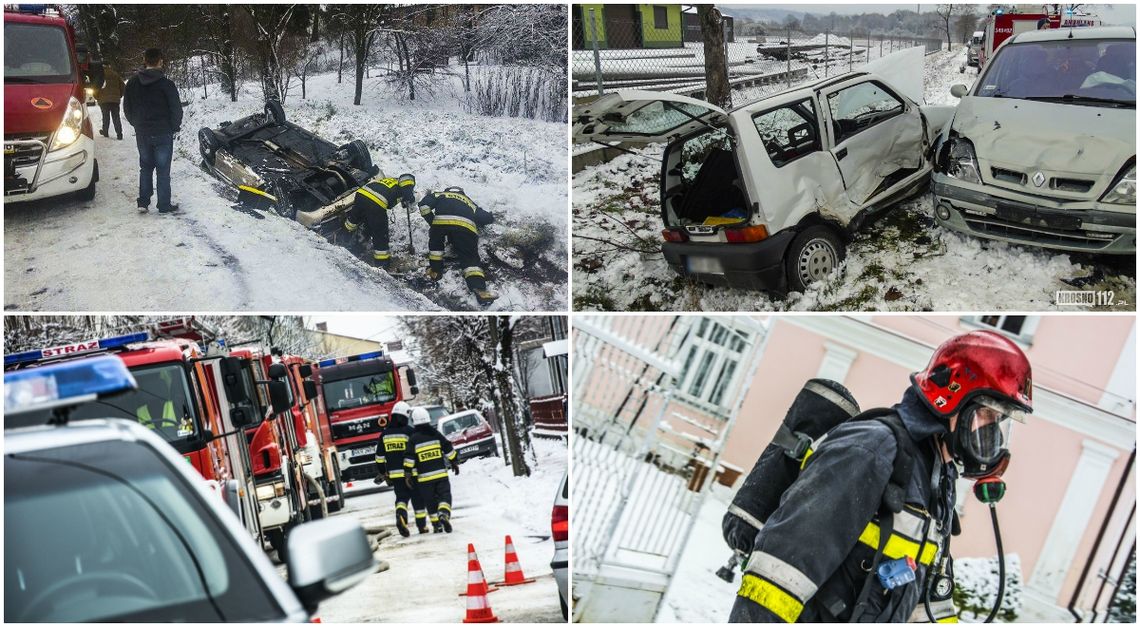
1024 338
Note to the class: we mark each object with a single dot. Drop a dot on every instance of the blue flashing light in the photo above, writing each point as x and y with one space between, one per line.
363 356
344 360
326 363
69 383
78 348
998 12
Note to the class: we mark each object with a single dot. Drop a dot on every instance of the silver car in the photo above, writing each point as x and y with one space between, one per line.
560 530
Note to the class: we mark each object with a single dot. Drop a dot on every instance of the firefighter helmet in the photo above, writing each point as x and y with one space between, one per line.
407 187
402 408
972 364
420 416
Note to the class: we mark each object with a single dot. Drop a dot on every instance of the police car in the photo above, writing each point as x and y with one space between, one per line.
104 521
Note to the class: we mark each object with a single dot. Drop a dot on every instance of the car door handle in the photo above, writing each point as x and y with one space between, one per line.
839 154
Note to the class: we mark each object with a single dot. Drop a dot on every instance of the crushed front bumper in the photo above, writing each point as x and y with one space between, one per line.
755 266
993 213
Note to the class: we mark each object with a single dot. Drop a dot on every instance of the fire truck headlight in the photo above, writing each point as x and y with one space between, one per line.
963 163
1123 192
71 127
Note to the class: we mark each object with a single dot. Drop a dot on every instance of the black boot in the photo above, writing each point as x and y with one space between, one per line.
402 523
445 522
421 527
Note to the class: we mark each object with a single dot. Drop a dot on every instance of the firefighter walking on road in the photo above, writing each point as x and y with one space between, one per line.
370 207
428 456
453 216
391 448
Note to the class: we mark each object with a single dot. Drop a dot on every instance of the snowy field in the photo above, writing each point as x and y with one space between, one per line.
901 262
62 254
427 572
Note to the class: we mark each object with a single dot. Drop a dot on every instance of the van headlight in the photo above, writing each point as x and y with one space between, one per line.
71 127
963 163
1123 191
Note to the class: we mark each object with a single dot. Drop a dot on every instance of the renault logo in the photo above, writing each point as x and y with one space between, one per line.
1039 179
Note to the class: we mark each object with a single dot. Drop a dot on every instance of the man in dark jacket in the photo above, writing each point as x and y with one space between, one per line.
109 96
833 551
152 106
454 217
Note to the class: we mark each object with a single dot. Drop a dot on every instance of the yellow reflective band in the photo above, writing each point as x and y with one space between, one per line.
388 182
409 463
948 619
373 197
898 546
471 273
379 460
427 445
406 182
254 190
381 256
445 506
460 197
432 476
348 226
401 506
451 455
771 598
806 456
467 224
434 257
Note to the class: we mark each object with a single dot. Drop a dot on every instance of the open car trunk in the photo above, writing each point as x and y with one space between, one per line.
702 185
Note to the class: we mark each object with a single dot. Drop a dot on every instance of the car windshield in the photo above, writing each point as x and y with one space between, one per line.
108 531
36 53
359 391
1075 71
455 425
162 403
435 413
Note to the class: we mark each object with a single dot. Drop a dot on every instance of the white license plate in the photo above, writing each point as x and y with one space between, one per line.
468 449
704 265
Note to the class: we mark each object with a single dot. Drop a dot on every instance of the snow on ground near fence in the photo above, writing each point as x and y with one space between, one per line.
903 262
427 572
62 254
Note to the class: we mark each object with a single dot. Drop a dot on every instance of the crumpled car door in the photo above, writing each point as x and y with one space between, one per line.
874 133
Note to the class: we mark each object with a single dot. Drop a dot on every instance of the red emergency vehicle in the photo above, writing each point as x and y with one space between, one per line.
1002 24
49 144
358 393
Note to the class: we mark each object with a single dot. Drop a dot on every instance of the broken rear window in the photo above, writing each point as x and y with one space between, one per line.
1077 71
658 118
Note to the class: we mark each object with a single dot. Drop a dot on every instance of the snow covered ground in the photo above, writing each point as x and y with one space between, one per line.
901 262
427 572
62 254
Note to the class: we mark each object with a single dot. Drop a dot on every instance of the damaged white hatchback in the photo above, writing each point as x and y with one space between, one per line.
1042 149
765 196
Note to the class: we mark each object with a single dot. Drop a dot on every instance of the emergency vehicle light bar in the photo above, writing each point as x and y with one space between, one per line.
344 360
69 383
78 348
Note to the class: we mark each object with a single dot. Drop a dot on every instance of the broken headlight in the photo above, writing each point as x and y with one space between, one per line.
1123 191
963 163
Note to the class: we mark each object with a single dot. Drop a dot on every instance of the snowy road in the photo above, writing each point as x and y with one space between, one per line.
427 572
62 254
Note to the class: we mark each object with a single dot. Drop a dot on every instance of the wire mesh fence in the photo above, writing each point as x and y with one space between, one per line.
611 53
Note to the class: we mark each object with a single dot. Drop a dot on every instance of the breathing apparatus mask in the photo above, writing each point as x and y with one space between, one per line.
980 441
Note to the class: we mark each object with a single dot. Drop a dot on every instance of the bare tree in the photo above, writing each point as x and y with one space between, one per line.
945 12
967 22
717 90
361 24
274 25
507 394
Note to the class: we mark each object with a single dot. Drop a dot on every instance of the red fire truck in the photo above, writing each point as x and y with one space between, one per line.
314 437
1002 24
49 145
358 393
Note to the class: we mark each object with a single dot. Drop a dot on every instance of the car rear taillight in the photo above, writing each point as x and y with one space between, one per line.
675 235
746 234
560 523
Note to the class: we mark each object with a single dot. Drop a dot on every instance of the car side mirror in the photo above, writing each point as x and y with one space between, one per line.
959 90
305 370
310 390
279 396
327 557
278 371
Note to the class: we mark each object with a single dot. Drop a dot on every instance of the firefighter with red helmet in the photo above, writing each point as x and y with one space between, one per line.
863 533
370 206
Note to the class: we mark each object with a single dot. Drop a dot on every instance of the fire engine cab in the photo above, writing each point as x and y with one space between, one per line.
1002 24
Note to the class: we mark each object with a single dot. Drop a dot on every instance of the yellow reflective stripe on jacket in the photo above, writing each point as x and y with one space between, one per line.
898 546
396 474
254 190
455 221
432 476
373 197
770 597
168 418
427 445
943 611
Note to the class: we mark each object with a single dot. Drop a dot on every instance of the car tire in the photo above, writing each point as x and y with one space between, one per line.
87 194
208 144
274 112
338 488
278 540
812 255
358 155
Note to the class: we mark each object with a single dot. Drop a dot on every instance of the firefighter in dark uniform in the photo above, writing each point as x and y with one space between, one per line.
453 216
391 448
811 560
370 206
428 456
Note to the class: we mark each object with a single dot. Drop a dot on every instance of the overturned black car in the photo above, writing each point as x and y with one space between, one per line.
276 164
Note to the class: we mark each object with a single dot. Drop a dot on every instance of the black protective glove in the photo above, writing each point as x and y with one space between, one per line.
408 482
380 478
455 467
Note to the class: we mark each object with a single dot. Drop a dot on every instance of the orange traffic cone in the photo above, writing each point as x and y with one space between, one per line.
474 559
478 608
512 573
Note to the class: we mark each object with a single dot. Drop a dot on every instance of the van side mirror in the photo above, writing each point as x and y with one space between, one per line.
411 377
243 413
279 396
327 557
310 390
278 371
959 90
305 370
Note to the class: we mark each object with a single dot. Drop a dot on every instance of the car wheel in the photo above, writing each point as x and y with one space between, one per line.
208 144
277 539
87 194
338 489
274 112
814 254
358 155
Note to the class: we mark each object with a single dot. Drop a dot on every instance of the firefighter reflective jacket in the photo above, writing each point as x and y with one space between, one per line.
392 448
377 194
427 450
452 207
810 560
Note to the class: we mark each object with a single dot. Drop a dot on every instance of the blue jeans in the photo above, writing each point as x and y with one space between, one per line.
155 154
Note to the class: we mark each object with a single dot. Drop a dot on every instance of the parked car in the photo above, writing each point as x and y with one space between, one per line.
276 164
977 40
1041 150
435 412
560 530
470 434
765 195
104 521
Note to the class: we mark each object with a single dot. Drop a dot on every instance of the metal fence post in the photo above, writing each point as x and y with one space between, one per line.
826 51
868 46
597 55
788 52
880 46
850 51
